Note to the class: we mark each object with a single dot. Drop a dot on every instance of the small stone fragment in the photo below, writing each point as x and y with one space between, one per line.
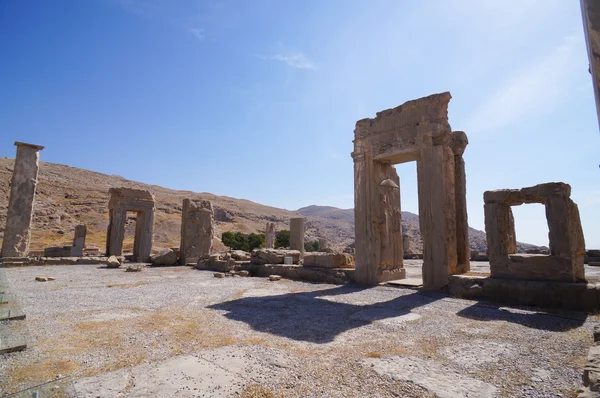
244 273
113 262
274 278
50 278
219 275
135 268
41 279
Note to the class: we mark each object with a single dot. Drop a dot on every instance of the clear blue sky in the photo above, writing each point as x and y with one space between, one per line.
258 99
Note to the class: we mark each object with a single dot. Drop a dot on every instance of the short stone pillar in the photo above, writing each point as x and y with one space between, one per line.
406 244
197 229
78 241
297 234
324 245
20 204
270 235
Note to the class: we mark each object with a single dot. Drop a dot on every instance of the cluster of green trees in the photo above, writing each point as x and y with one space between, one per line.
249 242
241 241
311 246
282 239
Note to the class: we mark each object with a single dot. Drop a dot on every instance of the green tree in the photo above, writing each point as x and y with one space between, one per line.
282 239
312 246
241 241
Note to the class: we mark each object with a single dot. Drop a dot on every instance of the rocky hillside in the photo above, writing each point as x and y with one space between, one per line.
68 196
326 218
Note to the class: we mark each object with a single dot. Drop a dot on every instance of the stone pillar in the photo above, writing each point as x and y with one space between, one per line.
463 249
144 226
270 235
78 241
437 214
499 231
324 245
17 233
297 234
197 229
406 243
116 231
565 233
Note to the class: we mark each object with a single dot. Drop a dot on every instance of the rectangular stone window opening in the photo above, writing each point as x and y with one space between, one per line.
565 235
531 215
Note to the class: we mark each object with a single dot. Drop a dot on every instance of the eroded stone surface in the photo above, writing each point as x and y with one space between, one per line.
274 256
17 232
439 380
297 234
197 230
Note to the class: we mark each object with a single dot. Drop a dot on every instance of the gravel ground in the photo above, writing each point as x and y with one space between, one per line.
98 325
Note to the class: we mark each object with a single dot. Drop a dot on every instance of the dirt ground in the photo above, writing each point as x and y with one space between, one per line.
180 332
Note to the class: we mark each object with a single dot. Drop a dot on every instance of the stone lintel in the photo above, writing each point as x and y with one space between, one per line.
38 147
535 194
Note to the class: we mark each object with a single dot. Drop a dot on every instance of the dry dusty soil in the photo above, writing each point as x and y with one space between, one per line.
179 332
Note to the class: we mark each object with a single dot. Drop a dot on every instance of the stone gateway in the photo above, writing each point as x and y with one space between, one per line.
415 131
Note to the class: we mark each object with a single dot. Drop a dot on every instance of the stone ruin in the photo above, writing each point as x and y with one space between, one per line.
567 245
76 250
297 234
270 235
17 233
141 202
417 131
197 229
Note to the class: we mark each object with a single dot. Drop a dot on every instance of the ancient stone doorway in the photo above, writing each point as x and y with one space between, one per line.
415 131
123 200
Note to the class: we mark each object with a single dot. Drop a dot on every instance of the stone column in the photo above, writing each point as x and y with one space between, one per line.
463 249
270 235
17 233
565 233
324 245
78 241
144 226
499 232
437 214
116 231
197 229
297 234
406 244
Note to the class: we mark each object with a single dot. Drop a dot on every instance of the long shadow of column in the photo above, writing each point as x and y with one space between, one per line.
311 317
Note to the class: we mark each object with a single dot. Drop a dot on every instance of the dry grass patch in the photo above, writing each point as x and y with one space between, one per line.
124 342
41 372
372 354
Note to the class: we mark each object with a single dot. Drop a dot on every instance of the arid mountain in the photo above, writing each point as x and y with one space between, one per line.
68 196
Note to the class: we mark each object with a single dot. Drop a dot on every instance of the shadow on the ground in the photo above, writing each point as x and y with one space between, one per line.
531 317
310 316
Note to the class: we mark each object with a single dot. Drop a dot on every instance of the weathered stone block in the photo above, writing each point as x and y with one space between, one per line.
165 257
328 260
197 229
273 256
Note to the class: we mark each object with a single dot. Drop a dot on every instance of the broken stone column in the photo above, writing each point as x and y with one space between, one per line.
324 245
297 234
20 204
78 241
197 230
270 235
406 243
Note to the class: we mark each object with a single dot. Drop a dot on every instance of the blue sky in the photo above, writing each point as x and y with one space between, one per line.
258 99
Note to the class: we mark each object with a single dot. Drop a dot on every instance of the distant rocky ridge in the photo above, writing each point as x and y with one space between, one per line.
68 196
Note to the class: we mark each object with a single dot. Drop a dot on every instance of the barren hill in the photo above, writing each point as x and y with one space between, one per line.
68 196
